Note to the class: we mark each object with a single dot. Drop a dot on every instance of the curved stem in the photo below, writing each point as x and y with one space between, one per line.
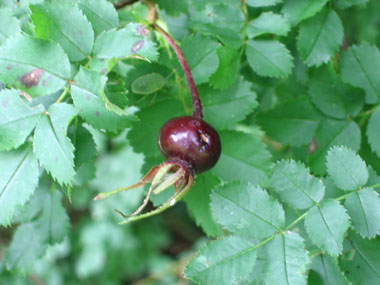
197 105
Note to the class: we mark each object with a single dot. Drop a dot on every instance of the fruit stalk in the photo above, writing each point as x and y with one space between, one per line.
197 105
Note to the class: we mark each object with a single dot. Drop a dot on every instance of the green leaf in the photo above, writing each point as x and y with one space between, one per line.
346 168
26 247
298 10
65 24
373 132
244 157
18 179
101 14
291 122
360 67
268 23
224 108
269 58
262 3
364 209
144 134
35 66
88 93
247 210
333 97
327 270
228 70
85 148
148 83
364 268
287 260
197 202
200 53
329 134
343 4
123 43
52 147
17 119
326 225
9 25
320 38
224 261
292 181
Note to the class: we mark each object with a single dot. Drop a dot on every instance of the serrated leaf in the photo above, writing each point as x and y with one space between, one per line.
268 23
364 209
200 53
52 147
291 122
298 10
144 134
360 67
292 181
326 225
364 268
269 58
197 202
224 108
287 260
123 43
333 97
18 179
65 24
247 210
148 83
320 38
87 93
244 157
35 66
373 132
346 168
224 261
327 270
26 247
9 25
228 69
262 3
17 119
329 134
101 14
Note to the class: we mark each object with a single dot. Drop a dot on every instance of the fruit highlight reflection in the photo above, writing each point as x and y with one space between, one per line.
189 144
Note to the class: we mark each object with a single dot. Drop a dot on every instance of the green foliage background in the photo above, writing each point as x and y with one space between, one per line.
292 86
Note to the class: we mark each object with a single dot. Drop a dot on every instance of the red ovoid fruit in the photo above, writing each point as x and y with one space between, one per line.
190 141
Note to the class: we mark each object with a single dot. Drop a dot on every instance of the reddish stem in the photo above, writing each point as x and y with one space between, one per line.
197 105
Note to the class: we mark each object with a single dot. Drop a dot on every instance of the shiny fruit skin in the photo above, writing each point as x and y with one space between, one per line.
191 141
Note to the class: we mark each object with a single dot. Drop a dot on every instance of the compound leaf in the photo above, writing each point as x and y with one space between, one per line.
52 147
364 209
269 58
17 119
292 181
320 38
224 108
65 24
373 132
346 168
327 270
298 10
286 260
101 14
18 179
224 261
326 225
268 23
247 210
36 66
360 67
